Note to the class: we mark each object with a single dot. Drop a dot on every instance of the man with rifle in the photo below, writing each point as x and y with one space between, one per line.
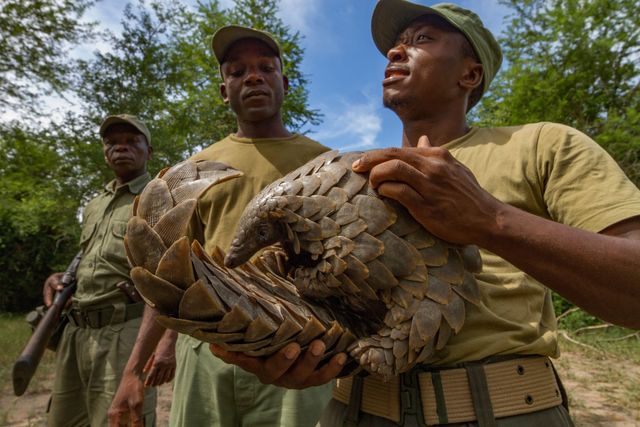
105 311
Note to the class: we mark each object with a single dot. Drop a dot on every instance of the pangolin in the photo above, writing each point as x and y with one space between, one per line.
339 263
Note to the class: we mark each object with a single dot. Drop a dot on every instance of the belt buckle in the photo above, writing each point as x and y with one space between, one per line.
410 400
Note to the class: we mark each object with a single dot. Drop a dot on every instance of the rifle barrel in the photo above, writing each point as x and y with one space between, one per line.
26 364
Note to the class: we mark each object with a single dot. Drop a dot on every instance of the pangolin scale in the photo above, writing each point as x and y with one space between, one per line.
341 264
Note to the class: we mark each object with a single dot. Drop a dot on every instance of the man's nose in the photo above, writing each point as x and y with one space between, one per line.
253 76
397 53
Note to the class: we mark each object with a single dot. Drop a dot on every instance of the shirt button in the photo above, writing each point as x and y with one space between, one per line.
90 265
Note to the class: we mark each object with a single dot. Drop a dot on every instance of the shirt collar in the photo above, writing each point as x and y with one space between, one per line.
245 140
135 186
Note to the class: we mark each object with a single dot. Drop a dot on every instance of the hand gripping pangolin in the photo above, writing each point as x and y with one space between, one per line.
348 267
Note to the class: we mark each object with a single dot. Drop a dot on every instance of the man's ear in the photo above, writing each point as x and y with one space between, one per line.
472 76
285 84
149 152
223 93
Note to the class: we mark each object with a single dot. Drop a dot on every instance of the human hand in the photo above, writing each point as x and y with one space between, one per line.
161 366
440 192
127 404
52 285
288 367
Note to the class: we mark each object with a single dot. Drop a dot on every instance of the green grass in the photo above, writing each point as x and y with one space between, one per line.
613 354
15 332
611 340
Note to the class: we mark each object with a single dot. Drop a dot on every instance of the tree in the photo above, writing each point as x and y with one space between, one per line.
37 215
574 62
200 116
35 36
137 76
162 69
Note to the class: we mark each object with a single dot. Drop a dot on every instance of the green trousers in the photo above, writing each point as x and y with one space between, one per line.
208 392
89 365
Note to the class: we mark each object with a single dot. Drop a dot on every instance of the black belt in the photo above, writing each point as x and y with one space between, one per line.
101 317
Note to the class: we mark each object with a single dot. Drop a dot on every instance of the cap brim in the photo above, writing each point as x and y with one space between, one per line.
114 120
390 17
226 36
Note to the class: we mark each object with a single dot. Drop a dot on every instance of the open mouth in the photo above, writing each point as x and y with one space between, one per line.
394 73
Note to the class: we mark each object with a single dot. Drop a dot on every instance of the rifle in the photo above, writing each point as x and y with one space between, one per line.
26 364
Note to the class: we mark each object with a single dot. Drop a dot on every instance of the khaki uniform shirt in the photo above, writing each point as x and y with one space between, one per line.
552 171
104 262
208 391
262 161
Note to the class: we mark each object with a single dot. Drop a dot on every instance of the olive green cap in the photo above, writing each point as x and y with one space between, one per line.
228 35
126 119
391 17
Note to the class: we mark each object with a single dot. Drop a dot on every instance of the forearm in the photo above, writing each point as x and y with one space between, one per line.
148 337
597 272
170 337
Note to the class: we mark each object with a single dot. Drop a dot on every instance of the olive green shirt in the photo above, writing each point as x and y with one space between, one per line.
262 161
552 171
104 262
207 391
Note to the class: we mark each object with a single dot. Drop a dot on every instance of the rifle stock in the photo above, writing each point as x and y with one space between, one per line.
26 364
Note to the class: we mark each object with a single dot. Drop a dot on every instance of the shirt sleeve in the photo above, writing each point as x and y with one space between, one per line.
583 186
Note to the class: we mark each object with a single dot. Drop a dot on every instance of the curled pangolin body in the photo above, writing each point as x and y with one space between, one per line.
349 268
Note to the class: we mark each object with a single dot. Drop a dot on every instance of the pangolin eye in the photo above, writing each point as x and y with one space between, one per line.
262 232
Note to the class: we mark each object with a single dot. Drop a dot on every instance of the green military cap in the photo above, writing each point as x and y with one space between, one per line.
126 119
228 35
391 17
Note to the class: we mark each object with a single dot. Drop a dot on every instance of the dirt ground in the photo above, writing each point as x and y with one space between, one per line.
602 393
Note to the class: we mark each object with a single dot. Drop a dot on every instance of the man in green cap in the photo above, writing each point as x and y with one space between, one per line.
207 391
550 209
105 311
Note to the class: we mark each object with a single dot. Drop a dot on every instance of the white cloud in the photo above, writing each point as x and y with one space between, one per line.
227 4
350 126
107 13
298 13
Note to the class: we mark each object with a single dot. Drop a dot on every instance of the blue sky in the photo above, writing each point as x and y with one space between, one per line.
346 69
343 66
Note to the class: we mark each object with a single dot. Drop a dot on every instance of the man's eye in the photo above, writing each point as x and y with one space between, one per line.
236 73
423 37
